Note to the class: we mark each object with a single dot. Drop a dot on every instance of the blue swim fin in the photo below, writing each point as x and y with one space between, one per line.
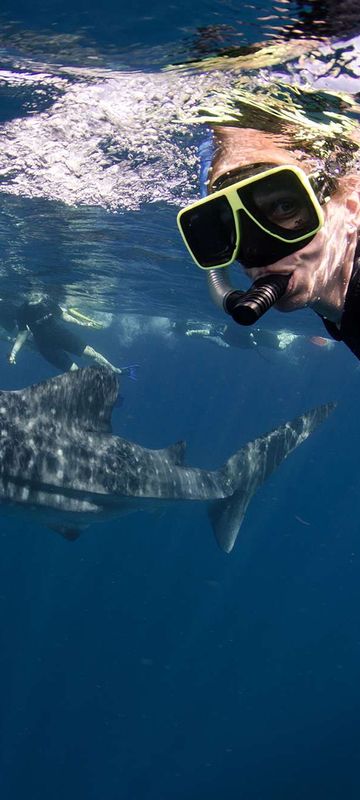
130 371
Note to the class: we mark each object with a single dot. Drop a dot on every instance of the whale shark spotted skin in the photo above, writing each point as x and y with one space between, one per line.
58 458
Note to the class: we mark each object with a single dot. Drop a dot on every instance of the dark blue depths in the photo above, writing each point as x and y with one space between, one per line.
141 662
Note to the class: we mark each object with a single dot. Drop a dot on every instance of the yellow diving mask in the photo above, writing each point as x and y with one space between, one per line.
258 220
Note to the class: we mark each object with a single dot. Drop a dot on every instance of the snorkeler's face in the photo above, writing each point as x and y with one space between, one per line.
258 250
320 271
240 153
257 218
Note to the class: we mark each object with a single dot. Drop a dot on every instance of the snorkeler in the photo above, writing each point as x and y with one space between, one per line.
277 213
248 338
43 319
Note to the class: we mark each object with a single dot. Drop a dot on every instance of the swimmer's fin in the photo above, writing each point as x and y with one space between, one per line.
84 319
130 371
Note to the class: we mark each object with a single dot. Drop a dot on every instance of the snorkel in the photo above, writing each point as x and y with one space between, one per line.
245 308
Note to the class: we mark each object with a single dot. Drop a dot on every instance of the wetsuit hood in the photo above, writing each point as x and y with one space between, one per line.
349 329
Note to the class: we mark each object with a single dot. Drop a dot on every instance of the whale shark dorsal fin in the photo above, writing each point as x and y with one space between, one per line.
84 398
175 453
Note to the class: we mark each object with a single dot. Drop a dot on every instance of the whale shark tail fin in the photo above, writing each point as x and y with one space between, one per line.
245 471
226 517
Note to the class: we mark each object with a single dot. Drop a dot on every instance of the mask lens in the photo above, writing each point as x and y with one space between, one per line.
210 232
260 249
281 204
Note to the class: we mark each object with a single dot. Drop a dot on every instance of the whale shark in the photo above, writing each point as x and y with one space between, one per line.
59 460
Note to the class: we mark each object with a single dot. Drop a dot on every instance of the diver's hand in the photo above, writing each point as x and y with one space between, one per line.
11 359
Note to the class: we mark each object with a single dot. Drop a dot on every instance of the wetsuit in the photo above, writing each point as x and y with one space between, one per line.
52 338
349 329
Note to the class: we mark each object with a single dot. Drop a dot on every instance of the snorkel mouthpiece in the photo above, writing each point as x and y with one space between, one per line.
247 307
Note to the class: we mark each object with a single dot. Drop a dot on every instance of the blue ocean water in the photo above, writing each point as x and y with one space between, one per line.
141 661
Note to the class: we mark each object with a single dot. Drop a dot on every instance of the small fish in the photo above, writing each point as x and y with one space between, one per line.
303 521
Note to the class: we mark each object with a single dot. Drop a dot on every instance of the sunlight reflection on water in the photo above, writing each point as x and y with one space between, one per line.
95 160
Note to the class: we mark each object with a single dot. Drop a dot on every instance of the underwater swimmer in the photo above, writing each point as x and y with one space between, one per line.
248 338
44 319
285 216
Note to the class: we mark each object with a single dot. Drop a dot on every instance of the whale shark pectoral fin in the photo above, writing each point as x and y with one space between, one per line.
70 534
226 517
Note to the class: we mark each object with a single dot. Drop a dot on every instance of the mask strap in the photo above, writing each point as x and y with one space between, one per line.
206 155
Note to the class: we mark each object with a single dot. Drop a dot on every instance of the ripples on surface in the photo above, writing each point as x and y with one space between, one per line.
99 144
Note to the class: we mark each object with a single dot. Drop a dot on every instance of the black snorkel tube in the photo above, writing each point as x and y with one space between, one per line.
245 307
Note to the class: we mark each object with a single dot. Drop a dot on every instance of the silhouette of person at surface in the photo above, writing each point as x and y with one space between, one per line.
43 319
245 338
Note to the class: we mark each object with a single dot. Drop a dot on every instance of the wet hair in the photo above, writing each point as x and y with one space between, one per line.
314 125
323 183
240 173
